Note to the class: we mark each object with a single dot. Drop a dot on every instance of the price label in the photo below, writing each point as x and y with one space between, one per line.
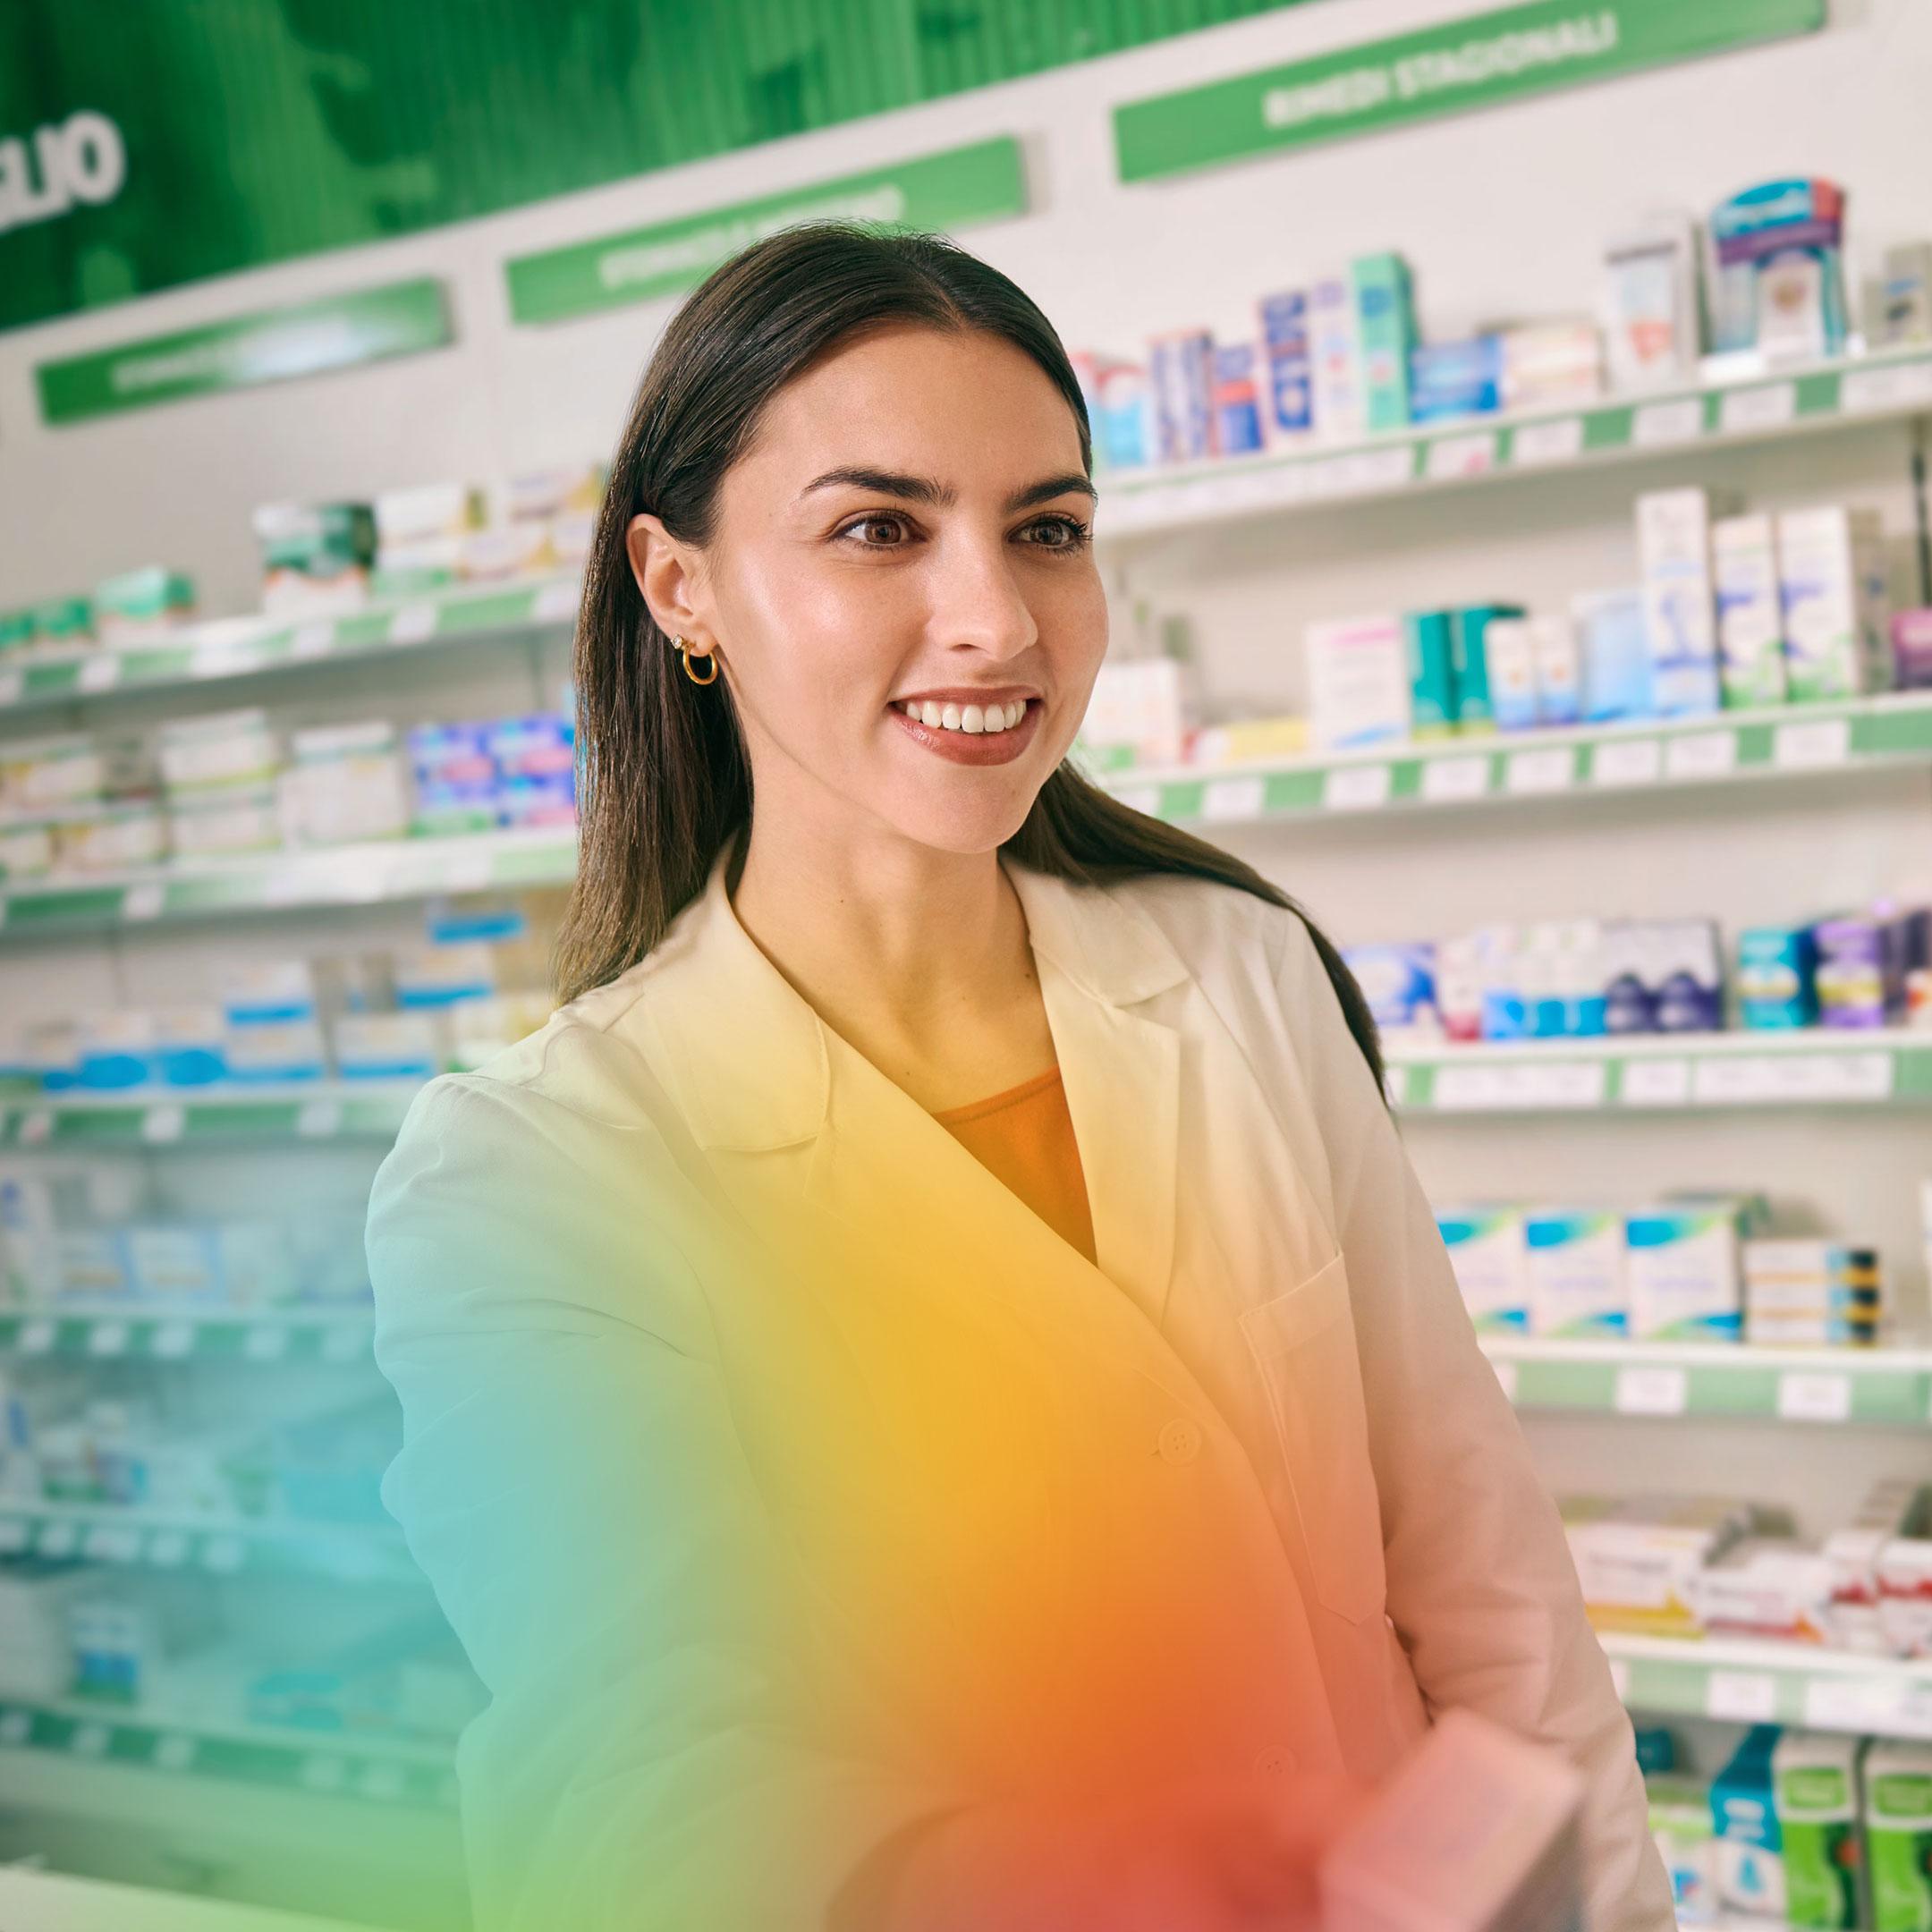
88 1740
58 1539
1658 424
1740 1696
113 1543
1357 787
99 674
1446 780
1370 471
265 1345
173 1752
1627 761
412 623
16 1726
1804 1396
36 1337
313 639
1897 385
558 601
1453 457
1648 1082
37 1128
163 1124
167 1550
1141 798
317 1120
1560 441
1224 799
172 1339
143 901
1765 406
1648 1389
1701 755
1548 768
107 1338
1812 745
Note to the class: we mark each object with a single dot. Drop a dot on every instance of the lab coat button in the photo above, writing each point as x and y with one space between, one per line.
1274 1762
1180 1441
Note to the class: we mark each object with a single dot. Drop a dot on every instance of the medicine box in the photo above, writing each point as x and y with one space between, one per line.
1815 1785
1335 356
1358 680
1284 341
1684 1270
1750 619
1897 1781
1673 542
1468 641
1432 698
1832 570
1487 1251
1576 1272
1385 323
1750 1863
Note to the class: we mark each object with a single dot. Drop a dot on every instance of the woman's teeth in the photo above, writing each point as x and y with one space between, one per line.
969 717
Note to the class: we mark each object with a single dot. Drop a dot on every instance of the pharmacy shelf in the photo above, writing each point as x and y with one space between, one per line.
1476 449
1763 1682
1791 743
159 1117
383 871
252 647
1886 1386
166 1335
1817 1067
139 1539
385 1771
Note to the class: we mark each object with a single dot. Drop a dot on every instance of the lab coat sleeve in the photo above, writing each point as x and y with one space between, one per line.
652 1754
1481 1587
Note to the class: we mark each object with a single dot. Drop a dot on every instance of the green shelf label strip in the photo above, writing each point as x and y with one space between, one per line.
168 1335
1754 1684
327 1767
148 1120
346 1555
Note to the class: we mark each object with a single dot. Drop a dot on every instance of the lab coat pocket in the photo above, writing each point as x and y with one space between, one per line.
1304 1346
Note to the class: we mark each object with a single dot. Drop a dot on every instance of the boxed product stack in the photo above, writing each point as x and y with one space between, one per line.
1812 1295
1637 1558
220 775
315 557
142 606
346 782
79 804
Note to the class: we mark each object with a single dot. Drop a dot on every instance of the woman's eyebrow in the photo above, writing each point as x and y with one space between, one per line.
942 496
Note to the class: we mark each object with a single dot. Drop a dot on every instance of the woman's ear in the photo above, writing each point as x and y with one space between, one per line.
666 572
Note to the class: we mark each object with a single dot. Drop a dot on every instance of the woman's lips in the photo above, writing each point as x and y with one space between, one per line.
973 748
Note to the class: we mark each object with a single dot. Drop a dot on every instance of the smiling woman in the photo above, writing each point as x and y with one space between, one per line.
934 1397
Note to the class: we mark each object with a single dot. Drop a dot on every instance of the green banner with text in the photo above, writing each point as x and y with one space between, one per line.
1475 62
983 183
272 346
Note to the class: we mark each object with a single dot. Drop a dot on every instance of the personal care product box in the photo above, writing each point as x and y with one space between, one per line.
1684 967
1384 320
58 624
1486 1249
1776 978
172 1262
1898 299
1336 361
1138 703
1432 698
390 1045
1749 1845
1681 1825
1896 1778
1673 541
1509 654
1911 649
142 606
1893 1507
1399 983
209 755
1357 682
1811 1293
1833 572
188 1046
1613 644
1577 1278
1858 972
1637 1557
503 552
315 557
1767 1586
1124 428
347 783
1751 614
1455 379
1180 373
1241 399
1815 1785
1464 966
1290 382
253 991
1559 670
425 513
1469 632
1683 1269
1477 1831
1652 308
1905 1595
275 1050
1551 365
1777 271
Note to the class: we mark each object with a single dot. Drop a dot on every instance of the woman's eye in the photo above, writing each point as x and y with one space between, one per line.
1069 532
877 521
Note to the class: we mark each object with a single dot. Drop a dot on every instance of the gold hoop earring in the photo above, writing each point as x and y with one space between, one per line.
684 651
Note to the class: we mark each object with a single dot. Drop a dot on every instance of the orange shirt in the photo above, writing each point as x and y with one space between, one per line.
1025 1137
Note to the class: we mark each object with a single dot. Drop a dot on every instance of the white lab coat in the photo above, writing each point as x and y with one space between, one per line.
789 1480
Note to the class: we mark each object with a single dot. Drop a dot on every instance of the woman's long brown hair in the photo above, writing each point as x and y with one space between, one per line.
664 781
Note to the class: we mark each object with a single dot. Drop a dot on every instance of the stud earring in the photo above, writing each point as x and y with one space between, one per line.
684 650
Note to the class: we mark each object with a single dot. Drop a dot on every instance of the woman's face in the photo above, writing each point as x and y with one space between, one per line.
910 525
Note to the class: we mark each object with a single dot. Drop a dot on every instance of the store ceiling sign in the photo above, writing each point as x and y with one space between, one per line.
1476 61
273 346
986 181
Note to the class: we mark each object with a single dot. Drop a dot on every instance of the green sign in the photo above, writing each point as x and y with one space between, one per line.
1471 62
147 143
982 183
269 347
